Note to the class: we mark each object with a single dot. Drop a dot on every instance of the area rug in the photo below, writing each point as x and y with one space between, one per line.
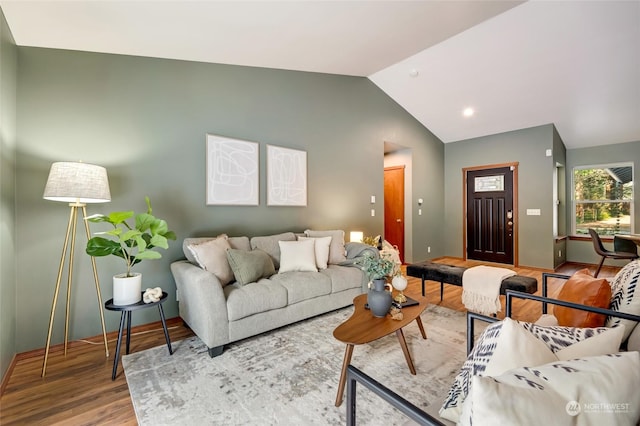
290 376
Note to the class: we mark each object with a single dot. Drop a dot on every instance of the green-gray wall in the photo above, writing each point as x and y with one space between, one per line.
8 282
145 120
535 189
559 161
582 251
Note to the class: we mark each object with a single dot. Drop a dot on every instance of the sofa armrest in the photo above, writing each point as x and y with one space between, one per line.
202 303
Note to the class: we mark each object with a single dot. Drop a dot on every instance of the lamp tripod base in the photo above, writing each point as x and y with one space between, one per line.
71 232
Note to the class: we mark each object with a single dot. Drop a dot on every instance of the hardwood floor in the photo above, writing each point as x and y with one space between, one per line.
78 389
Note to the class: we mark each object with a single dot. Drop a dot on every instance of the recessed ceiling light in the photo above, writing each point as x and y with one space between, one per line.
468 112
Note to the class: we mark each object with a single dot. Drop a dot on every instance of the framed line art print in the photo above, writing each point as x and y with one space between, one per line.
286 176
232 172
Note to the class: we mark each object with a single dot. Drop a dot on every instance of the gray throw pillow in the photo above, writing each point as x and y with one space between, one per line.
250 266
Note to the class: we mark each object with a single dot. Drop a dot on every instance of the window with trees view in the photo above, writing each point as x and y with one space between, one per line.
603 199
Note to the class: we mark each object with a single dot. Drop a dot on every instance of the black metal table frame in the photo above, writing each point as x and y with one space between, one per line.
126 313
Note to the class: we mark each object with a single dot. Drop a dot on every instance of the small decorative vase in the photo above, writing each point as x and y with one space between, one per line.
127 290
379 297
399 282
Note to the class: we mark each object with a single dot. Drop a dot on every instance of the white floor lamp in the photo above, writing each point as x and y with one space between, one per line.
76 184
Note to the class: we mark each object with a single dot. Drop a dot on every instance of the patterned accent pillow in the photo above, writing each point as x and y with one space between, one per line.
599 390
483 357
624 297
503 346
557 337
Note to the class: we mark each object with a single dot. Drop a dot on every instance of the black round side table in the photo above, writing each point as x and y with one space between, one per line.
126 312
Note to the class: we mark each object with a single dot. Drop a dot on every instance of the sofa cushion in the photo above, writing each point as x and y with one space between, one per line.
303 285
495 352
250 266
344 277
269 244
590 390
624 297
254 298
321 248
211 255
337 251
297 256
584 289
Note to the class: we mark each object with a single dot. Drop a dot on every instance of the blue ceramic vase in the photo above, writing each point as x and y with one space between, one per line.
379 297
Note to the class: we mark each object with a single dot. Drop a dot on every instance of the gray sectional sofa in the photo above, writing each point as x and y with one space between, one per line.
231 288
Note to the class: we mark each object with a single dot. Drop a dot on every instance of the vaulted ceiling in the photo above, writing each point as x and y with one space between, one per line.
575 64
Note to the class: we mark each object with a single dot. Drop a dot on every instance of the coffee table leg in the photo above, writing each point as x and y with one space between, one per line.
420 326
405 349
343 376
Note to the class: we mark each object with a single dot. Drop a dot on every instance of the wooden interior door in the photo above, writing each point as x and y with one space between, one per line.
490 215
394 207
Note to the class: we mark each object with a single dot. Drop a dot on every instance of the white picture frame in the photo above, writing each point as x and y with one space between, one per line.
233 168
286 176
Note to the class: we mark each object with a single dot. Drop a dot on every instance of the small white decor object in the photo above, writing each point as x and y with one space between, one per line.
399 282
127 290
152 295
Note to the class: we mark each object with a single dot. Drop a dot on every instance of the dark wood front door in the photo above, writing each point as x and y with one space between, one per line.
490 214
394 207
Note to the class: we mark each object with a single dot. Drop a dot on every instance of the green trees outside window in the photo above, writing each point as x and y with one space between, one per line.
603 199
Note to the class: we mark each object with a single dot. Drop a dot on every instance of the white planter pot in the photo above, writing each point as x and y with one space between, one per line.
127 290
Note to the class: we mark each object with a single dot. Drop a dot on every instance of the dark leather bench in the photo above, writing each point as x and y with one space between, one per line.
448 274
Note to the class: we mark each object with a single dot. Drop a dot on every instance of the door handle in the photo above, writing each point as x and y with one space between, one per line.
398 220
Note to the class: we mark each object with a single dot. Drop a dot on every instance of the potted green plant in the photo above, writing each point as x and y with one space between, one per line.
376 267
133 243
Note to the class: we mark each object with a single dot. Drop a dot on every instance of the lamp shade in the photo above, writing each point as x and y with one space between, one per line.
73 182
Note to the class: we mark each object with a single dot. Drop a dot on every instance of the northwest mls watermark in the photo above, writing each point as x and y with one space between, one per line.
574 407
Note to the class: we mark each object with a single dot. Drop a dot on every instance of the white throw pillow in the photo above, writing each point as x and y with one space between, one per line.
337 250
494 349
322 250
586 391
547 320
502 346
297 256
211 255
624 297
633 343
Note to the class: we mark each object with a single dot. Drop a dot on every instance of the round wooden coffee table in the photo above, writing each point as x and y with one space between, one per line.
363 327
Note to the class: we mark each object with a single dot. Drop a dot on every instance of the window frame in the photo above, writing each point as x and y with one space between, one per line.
574 202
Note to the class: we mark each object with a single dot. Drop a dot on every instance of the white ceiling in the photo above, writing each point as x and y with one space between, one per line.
575 64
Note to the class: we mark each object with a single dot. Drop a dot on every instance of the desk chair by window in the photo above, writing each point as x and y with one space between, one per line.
622 249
